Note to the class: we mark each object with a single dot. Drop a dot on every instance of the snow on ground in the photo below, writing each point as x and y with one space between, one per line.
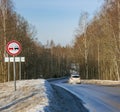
37 96
30 96
101 82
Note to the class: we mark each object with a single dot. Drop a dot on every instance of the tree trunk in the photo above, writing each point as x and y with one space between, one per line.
99 61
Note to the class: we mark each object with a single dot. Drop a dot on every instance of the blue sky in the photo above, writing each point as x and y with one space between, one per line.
56 19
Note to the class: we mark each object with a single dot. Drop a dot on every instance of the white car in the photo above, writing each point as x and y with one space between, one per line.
74 79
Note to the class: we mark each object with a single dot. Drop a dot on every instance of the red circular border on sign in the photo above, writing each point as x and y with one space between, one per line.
19 48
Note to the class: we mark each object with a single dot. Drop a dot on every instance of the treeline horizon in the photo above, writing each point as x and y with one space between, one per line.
96 47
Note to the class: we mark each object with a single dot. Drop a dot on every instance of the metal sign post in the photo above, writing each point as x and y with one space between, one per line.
14 70
8 70
20 70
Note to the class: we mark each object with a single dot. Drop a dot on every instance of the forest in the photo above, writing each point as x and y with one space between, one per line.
96 46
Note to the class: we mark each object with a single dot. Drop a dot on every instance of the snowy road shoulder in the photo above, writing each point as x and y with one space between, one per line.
30 96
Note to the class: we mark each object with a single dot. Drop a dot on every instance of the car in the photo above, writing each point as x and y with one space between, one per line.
74 79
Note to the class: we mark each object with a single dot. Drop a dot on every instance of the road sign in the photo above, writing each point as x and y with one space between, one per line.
17 59
13 48
14 59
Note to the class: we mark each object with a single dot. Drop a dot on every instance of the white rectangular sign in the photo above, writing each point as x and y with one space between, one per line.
6 59
17 59
22 59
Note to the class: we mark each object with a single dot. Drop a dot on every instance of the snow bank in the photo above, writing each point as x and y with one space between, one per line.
30 96
101 82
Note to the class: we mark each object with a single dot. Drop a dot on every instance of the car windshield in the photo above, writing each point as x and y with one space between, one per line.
75 76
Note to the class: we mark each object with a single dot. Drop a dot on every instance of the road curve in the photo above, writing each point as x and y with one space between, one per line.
95 98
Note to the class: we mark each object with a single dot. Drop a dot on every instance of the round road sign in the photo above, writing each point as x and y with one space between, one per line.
13 48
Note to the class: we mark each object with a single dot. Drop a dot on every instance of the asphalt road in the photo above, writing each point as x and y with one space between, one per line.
95 98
